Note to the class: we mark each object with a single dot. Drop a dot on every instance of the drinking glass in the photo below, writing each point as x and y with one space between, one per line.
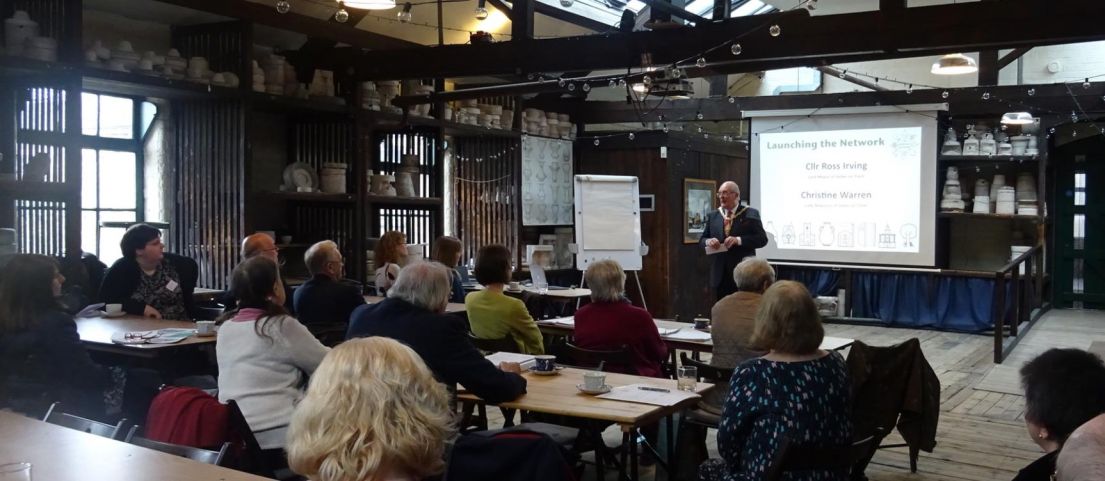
542 287
15 472
687 379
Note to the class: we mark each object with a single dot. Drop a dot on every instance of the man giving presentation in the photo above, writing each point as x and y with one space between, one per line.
735 229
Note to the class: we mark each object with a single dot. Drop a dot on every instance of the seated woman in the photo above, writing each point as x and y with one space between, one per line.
1063 389
447 250
610 322
493 314
795 390
389 256
373 412
149 282
42 359
264 355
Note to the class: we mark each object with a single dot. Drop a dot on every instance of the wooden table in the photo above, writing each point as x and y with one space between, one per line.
96 334
558 395
453 307
829 343
560 294
63 454
203 294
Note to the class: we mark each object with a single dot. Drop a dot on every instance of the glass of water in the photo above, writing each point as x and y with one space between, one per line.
15 472
687 378
542 287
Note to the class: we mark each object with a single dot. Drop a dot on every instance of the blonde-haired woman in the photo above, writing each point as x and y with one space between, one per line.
610 322
796 389
390 255
373 412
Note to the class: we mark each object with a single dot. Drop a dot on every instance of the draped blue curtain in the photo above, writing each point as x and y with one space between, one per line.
920 300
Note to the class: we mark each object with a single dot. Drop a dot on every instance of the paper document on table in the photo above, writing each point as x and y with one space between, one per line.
688 334
716 250
648 395
563 321
499 357
664 331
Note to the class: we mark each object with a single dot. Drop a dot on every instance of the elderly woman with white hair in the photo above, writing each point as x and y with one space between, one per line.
414 314
610 322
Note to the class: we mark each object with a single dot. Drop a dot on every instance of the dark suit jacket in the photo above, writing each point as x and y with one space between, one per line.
122 279
442 341
323 300
747 226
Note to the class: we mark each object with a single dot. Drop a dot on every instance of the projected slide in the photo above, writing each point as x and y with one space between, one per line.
855 188
842 189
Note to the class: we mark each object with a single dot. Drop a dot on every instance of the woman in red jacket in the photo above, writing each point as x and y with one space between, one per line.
610 322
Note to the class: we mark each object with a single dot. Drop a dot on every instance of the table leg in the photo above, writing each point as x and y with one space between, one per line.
633 476
671 444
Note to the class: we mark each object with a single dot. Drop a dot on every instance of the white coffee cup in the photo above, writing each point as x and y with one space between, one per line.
113 308
515 286
594 380
205 328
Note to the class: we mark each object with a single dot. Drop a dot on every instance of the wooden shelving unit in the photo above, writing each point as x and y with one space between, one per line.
311 197
973 215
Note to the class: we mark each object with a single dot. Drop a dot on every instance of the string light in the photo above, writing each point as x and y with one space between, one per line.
342 15
283 6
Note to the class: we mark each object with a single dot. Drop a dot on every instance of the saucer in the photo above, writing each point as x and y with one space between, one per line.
117 314
603 390
545 373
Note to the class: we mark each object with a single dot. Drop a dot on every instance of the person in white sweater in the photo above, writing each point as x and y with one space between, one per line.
264 354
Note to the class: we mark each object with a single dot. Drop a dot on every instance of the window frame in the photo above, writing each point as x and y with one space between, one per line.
99 144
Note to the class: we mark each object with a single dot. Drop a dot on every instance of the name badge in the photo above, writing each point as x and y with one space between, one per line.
172 285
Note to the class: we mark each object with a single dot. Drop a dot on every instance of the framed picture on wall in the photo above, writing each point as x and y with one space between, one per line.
698 202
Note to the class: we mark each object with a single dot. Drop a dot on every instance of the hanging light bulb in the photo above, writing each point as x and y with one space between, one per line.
774 30
586 87
945 94
631 136
481 10
567 3
1031 92
735 49
1086 84
571 87
699 116
665 128
954 64
732 99
405 16
561 82
596 142
985 95
701 62
613 83
283 6
909 89
342 15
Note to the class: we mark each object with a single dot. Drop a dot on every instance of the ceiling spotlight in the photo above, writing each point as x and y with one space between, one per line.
954 64
567 3
405 14
481 10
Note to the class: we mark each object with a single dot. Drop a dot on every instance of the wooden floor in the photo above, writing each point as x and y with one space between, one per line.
981 435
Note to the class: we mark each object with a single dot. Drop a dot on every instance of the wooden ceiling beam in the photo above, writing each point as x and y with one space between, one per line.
1046 98
1011 57
266 14
805 41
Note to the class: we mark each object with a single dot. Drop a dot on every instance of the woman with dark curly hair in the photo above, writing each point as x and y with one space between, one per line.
1063 389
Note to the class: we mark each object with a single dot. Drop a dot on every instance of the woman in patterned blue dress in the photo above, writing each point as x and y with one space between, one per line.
797 390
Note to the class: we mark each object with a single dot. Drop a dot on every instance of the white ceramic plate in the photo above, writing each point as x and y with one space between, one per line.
299 174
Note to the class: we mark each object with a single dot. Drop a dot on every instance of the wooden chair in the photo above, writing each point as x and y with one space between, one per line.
502 344
477 421
55 416
204 456
330 334
792 456
599 360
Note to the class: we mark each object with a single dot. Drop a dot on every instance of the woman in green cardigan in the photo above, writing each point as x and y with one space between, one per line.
491 313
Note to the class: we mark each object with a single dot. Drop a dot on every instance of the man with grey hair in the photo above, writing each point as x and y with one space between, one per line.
326 298
734 228
733 316
414 314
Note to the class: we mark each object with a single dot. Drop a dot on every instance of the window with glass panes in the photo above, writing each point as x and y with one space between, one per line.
111 175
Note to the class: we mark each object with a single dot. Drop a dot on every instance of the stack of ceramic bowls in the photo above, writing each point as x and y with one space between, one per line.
1006 201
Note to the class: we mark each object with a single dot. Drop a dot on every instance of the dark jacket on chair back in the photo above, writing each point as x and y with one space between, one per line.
442 341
